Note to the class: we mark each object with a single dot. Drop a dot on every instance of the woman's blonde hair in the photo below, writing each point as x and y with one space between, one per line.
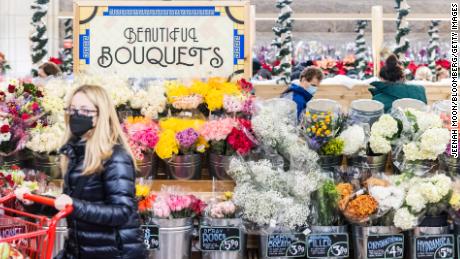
103 137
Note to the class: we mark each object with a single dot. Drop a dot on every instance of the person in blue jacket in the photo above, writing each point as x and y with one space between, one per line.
303 90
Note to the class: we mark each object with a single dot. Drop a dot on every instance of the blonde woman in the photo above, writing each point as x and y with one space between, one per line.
99 181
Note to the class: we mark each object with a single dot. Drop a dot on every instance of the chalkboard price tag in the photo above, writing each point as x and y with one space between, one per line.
434 247
385 246
328 245
286 245
151 236
220 239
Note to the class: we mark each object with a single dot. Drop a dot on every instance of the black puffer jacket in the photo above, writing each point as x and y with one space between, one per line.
105 222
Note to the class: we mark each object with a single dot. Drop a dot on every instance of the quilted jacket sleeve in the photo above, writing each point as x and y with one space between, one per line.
119 185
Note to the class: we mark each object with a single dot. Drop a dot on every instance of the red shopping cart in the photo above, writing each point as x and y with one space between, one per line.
26 232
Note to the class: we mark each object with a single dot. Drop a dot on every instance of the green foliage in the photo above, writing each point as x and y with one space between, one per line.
334 147
327 198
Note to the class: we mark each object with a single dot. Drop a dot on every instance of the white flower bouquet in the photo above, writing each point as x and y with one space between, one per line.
267 195
46 140
150 101
424 198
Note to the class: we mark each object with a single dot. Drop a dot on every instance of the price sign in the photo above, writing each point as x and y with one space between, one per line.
286 245
220 239
151 236
328 246
434 247
385 246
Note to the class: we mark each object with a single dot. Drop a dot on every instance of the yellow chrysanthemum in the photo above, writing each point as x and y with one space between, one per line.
142 190
228 196
179 124
167 144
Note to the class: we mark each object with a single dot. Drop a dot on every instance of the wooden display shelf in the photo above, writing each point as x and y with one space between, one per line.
345 96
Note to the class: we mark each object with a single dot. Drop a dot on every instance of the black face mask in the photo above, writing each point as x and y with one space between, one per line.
80 124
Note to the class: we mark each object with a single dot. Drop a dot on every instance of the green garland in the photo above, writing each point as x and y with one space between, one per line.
38 38
360 44
402 29
283 41
66 53
433 47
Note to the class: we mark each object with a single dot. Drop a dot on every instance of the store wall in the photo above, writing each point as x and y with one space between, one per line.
15 17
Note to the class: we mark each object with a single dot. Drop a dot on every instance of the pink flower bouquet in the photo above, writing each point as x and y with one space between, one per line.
173 206
220 210
142 135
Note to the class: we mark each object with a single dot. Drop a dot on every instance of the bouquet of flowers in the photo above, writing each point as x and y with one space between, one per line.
424 197
142 135
423 138
173 205
46 139
277 131
20 110
224 208
323 130
267 194
145 199
10 177
151 102
184 97
179 136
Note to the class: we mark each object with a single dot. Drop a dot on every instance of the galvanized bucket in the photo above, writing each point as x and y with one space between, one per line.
175 236
184 167
10 160
235 222
218 165
371 164
361 236
330 163
48 164
406 103
61 235
423 232
421 168
366 111
147 165
449 164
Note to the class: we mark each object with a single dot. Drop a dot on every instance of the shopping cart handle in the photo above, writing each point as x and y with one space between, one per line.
39 199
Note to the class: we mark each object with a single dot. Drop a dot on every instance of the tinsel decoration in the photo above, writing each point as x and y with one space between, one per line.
360 51
434 46
65 54
283 41
38 38
403 29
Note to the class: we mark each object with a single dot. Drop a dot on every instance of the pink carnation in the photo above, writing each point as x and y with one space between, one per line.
161 209
217 130
178 202
233 103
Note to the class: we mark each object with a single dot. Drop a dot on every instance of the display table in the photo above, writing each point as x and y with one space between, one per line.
345 95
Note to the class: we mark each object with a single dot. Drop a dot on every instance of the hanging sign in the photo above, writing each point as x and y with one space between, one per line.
163 39
151 236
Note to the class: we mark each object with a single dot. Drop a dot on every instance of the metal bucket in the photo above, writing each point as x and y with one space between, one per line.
147 165
361 237
329 163
449 164
235 222
175 236
406 103
421 168
10 160
218 165
184 167
424 232
371 164
61 235
48 164
323 105
366 111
